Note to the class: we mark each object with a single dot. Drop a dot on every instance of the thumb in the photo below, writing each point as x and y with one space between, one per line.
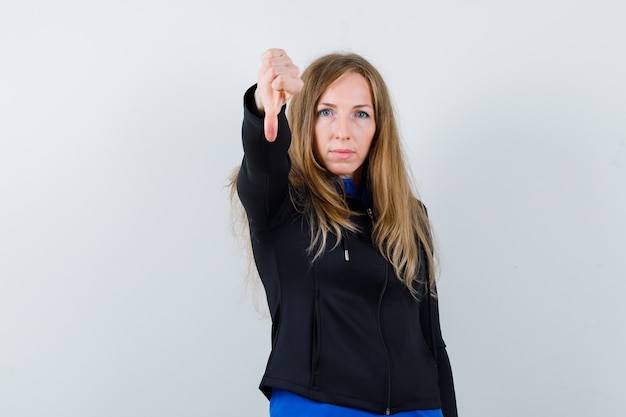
270 125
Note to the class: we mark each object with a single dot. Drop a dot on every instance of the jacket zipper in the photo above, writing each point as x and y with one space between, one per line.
380 327
380 331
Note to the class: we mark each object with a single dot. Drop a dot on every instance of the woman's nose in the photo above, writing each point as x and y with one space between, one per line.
342 127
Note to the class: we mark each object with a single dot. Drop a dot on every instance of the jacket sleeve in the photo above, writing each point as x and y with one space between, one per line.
262 181
431 329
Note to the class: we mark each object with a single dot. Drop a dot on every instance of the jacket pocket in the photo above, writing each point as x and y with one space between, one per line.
316 341
425 346
275 326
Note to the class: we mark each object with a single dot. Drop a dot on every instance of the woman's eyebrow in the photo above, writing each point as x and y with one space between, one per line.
354 107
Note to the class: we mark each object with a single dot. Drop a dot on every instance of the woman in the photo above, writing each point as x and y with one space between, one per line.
342 246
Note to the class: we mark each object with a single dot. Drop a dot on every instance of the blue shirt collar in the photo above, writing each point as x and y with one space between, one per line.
351 190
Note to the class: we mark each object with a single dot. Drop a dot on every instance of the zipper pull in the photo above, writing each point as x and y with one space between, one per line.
346 254
388 412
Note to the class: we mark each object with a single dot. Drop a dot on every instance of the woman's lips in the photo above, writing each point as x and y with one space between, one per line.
342 153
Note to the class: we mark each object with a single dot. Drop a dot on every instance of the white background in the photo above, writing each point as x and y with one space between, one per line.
120 281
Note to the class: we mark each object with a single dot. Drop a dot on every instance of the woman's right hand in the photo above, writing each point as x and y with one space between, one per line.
277 81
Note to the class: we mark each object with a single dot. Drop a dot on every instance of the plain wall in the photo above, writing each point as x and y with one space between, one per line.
121 284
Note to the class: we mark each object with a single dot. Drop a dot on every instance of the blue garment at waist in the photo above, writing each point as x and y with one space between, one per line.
287 404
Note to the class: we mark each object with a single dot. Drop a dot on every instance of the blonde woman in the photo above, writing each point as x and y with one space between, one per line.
341 244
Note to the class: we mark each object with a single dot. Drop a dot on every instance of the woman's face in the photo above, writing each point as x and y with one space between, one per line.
345 126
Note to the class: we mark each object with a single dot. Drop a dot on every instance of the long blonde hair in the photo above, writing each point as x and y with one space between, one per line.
401 225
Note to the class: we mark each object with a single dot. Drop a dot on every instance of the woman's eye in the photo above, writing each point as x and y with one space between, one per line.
362 115
324 113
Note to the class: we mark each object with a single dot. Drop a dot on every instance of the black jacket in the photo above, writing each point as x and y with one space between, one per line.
345 329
